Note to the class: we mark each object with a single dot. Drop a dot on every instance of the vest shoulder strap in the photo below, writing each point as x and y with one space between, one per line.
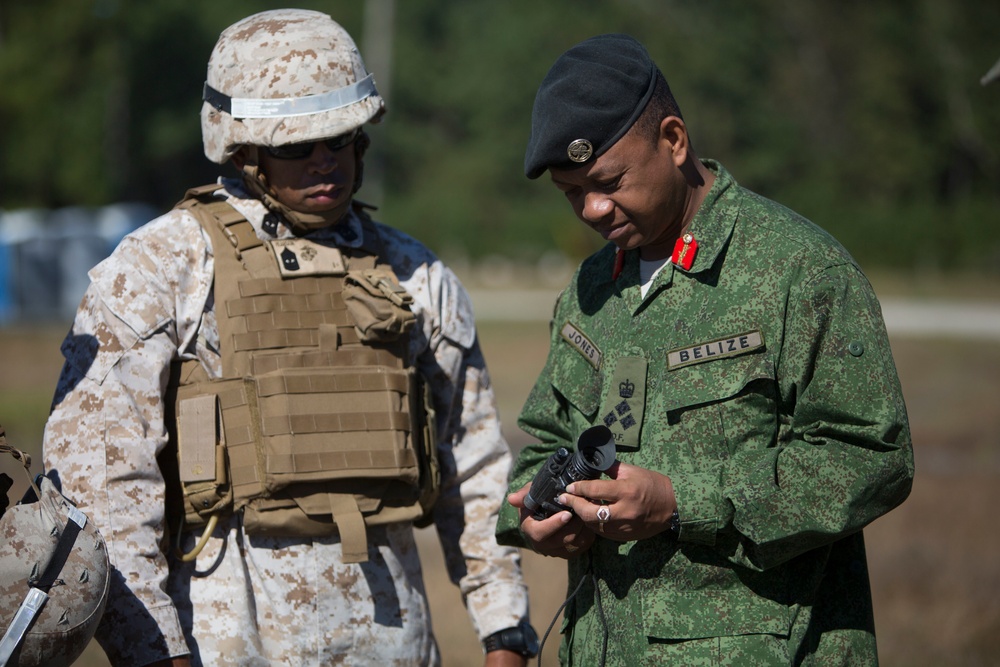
199 193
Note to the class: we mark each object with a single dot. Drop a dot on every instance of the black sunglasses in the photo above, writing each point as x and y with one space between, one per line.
304 150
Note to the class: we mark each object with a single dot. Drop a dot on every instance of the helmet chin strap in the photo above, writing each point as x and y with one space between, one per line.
299 222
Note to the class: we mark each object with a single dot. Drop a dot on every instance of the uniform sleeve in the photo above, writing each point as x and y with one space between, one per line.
843 455
475 461
107 427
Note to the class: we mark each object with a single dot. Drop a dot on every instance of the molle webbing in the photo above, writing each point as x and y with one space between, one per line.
275 314
302 442
322 431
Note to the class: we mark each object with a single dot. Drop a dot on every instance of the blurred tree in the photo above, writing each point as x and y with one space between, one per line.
101 97
866 116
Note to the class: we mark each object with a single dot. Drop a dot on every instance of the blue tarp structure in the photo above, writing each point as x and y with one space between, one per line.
45 256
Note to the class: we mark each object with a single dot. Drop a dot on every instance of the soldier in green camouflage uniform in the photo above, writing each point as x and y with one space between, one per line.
739 357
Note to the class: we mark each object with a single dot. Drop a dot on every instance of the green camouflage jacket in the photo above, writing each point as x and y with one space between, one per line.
761 382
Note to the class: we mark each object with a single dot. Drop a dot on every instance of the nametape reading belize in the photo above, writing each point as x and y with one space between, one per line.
716 349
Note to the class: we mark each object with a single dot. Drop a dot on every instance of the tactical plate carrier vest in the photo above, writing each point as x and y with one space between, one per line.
318 425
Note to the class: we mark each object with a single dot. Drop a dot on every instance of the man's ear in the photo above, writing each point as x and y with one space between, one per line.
239 158
673 133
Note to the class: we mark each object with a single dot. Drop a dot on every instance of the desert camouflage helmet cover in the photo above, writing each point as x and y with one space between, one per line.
281 77
54 577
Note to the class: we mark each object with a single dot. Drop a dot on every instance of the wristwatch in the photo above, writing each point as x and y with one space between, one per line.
520 639
675 524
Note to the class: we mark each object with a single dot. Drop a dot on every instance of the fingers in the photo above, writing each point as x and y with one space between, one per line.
552 536
562 535
608 490
603 515
576 543
593 514
582 506
545 529
601 490
517 498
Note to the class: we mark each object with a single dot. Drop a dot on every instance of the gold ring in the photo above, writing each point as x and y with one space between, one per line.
570 548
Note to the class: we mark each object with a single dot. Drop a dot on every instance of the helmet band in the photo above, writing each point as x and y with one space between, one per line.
245 107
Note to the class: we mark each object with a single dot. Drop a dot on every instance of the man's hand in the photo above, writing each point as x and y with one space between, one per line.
561 535
635 503
505 659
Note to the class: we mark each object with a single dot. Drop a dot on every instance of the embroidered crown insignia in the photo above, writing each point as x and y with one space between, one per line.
626 389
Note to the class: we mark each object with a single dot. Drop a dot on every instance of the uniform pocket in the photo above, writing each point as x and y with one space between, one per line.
724 651
724 405
715 381
578 381
720 613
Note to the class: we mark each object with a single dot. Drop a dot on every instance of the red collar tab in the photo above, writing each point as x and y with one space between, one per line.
619 264
685 250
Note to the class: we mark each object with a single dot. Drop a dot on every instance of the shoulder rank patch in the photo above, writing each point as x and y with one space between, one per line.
301 257
582 344
625 402
716 349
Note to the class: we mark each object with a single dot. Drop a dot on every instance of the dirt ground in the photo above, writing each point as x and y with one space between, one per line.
934 565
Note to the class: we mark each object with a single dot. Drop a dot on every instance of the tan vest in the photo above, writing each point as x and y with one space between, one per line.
318 425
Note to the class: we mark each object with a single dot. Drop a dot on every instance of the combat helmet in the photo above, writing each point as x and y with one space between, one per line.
282 77
54 575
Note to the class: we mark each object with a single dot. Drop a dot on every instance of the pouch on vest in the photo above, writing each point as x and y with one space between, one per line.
430 468
201 458
378 303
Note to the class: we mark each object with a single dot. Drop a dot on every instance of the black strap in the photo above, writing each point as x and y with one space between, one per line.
5 483
60 555
220 101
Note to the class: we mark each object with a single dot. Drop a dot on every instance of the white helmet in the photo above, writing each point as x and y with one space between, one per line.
282 77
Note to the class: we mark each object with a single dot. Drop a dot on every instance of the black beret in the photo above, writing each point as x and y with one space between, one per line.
589 99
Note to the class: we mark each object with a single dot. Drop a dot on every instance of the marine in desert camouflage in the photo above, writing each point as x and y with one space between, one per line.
239 292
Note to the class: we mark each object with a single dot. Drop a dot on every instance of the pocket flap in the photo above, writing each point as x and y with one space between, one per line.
578 381
716 380
711 614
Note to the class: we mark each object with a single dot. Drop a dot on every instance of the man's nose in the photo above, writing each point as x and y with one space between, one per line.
322 159
596 207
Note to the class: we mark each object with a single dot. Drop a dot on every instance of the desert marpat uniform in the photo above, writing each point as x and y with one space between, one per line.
267 600
763 385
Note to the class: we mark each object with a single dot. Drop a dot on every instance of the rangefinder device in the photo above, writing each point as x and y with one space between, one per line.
595 453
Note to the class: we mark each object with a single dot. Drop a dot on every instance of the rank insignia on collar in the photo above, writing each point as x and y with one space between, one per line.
270 224
304 257
619 263
685 249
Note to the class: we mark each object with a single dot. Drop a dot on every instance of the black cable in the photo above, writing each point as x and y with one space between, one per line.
555 617
600 611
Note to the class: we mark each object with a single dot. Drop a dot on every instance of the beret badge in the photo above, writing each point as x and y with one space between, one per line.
580 150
